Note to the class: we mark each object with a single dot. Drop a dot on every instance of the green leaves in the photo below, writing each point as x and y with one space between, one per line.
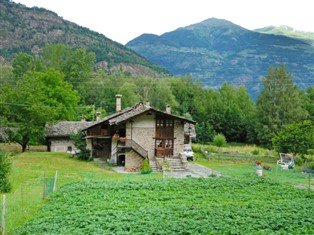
296 138
175 206
279 104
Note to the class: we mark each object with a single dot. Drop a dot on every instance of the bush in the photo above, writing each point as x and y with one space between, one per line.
146 169
299 161
255 152
5 167
219 140
80 143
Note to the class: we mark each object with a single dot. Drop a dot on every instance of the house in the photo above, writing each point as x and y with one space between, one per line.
58 135
128 136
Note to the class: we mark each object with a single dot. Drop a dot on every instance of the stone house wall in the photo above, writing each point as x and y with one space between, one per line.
142 131
62 145
179 137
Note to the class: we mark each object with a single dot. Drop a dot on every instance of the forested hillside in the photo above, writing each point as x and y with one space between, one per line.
216 51
68 87
28 30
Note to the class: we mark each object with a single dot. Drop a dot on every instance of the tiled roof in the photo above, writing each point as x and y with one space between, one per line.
66 128
132 112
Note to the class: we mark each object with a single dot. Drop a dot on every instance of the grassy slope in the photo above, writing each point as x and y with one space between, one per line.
27 177
245 166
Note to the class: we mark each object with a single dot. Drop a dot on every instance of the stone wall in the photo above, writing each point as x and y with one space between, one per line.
62 145
179 137
133 162
142 131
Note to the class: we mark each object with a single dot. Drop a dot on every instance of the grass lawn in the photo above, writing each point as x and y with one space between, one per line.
27 178
247 169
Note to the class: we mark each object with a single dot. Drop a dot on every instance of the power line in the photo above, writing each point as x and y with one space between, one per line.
37 106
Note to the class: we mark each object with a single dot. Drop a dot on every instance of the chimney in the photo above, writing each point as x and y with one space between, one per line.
83 118
118 103
98 116
168 109
147 104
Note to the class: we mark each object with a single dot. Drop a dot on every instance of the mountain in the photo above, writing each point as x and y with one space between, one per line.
289 32
24 29
215 51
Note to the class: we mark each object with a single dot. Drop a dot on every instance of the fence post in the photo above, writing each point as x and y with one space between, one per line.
3 215
55 182
44 193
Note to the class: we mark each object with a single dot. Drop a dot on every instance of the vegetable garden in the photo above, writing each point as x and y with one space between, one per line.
214 205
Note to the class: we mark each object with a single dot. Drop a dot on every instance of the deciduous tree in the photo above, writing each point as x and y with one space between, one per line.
279 104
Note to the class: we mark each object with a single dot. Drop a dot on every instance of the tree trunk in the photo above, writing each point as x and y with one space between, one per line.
24 147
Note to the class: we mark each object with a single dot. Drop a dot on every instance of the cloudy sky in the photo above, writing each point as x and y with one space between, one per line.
124 20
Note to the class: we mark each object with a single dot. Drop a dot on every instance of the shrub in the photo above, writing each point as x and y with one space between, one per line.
146 169
80 143
5 167
219 140
299 161
255 152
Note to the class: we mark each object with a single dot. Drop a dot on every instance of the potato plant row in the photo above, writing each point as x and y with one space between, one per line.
221 205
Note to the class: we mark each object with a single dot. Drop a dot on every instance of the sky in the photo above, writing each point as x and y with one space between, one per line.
124 20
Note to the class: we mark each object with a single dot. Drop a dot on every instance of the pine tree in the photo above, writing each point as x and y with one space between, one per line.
279 104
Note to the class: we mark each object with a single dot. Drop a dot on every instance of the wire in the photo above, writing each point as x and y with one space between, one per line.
30 105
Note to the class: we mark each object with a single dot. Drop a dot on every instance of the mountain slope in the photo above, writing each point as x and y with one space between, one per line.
29 29
217 51
289 32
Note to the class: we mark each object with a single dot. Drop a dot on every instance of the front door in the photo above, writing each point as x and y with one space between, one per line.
164 138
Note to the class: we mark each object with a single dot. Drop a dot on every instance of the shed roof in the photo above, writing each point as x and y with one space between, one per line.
66 128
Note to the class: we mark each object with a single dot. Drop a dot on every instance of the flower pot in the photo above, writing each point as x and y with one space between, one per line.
259 170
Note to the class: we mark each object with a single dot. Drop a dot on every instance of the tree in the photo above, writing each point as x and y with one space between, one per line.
309 102
128 92
38 98
279 104
296 138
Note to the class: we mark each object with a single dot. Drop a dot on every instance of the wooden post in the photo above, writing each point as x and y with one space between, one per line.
3 215
55 182
44 186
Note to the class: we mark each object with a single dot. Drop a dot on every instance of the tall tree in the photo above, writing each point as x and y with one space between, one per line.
309 102
279 104
34 100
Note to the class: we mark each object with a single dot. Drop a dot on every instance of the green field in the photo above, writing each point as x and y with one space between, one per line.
218 205
98 199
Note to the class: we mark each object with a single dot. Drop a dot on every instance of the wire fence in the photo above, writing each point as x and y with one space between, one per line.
20 205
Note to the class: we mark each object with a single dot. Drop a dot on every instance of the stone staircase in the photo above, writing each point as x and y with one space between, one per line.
175 164
153 164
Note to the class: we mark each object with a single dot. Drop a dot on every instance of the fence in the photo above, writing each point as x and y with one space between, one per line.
20 205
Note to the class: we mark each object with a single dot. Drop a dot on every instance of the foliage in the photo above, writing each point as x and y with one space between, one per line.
219 140
24 31
309 102
5 168
29 107
80 143
279 104
215 205
296 138
146 169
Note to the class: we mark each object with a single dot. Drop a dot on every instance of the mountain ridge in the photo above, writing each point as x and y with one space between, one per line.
27 30
215 51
